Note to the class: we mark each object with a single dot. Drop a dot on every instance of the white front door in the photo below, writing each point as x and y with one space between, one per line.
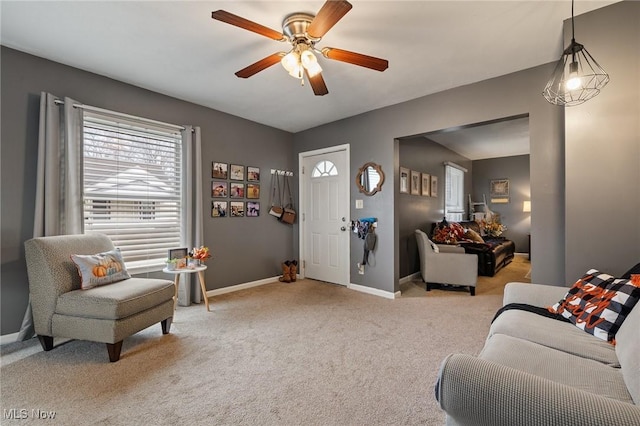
324 232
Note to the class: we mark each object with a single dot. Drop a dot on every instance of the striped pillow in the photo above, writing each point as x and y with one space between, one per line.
598 303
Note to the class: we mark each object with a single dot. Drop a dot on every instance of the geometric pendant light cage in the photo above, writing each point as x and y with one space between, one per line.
577 77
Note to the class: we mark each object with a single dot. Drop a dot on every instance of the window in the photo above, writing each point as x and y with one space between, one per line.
454 192
323 169
132 181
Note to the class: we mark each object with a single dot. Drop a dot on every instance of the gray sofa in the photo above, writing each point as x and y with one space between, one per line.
535 370
104 314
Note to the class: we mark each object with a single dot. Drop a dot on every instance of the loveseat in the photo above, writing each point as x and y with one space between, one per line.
494 253
535 370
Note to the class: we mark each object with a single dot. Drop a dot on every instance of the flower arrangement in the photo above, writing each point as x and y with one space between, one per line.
201 253
492 227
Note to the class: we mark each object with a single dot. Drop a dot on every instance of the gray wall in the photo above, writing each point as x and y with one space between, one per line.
244 249
603 149
516 169
418 212
373 137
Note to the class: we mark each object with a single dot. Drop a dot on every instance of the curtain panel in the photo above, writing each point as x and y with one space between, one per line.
58 204
192 208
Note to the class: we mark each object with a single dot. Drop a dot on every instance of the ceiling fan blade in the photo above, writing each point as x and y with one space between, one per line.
230 18
328 15
262 64
317 84
356 58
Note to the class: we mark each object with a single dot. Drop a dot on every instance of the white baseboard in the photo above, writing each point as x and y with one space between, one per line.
409 278
8 338
522 254
373 291
238 287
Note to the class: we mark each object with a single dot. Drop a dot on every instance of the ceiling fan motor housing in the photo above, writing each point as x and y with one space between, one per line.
295 27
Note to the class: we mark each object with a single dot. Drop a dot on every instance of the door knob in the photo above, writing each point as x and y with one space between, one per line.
343 228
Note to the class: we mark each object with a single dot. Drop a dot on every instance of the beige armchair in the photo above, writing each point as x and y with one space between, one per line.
449 266
105 314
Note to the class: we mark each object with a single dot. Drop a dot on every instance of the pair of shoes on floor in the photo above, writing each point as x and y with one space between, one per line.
289 271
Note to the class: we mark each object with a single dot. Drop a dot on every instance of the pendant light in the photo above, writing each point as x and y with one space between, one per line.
577 77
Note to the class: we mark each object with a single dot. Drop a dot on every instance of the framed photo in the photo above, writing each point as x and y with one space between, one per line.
178 253
404 180
415 183
434 186
219 170
253 190
237 190
426 184
253 174
253 209
237 209
500 188
218 208
219 189
237 172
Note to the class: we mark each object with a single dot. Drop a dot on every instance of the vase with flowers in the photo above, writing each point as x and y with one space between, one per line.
198 255
492 228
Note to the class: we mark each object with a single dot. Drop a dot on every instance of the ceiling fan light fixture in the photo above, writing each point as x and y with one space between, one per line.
290 61
310 63
577 77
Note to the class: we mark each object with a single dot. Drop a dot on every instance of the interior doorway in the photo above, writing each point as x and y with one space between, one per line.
324 225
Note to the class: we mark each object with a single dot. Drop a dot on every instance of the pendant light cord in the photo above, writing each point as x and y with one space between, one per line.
573 26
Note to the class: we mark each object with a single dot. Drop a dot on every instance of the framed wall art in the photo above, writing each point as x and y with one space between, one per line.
426 184
219 189
236 190
253 209
404 180
219 170
237 209
415 183
500 188
219 208
253 190
434 186
237 172
253 174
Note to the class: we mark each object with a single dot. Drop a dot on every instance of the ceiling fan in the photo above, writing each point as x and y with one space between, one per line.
303 31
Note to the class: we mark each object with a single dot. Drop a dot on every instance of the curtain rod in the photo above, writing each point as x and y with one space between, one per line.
122 115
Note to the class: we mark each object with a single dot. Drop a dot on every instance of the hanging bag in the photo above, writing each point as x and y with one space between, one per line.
275 208
289 213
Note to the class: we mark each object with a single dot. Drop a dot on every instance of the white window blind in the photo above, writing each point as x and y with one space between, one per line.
132 181
454 193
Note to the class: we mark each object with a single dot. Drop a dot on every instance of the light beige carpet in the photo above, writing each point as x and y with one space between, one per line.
305 353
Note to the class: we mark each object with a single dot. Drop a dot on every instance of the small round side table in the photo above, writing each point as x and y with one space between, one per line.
177 272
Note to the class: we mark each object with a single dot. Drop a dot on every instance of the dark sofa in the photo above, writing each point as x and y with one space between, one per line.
494 254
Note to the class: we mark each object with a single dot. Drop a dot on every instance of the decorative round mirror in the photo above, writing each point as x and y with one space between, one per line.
370 178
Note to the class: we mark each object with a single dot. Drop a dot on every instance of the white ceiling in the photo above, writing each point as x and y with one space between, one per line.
175 48
504 138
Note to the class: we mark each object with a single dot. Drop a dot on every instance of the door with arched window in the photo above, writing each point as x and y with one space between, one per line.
324 228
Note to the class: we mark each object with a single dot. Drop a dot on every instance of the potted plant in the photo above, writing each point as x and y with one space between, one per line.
172 264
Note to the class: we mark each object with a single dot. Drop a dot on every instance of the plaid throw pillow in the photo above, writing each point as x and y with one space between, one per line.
598 303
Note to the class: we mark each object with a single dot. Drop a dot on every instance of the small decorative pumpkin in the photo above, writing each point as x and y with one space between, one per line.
99 271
